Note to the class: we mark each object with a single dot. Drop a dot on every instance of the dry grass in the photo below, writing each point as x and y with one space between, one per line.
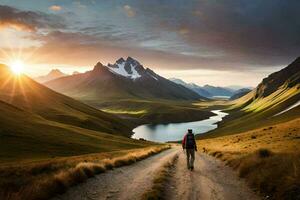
160 181
268 158
45 180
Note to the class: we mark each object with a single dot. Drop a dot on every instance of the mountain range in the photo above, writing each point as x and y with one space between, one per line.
209 91
53 74
125 79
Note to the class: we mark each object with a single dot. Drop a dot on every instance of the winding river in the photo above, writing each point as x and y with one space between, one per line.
175 131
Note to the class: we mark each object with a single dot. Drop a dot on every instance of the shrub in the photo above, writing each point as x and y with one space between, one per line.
264 153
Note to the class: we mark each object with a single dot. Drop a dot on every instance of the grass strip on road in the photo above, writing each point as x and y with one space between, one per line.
160 181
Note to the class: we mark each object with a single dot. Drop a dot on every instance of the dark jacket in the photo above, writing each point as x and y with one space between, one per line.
189 141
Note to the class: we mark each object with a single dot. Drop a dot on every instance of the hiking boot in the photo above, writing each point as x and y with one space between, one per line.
192 168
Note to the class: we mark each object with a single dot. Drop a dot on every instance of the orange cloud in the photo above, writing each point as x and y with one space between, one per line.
17 25
55 8
27 20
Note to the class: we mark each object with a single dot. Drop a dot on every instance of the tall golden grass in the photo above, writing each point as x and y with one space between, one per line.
45 180
158 189
273 175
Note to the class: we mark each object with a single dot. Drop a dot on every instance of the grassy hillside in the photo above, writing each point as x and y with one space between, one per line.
31 96
262 106
260 137
27 137
241 120
37 123
268 157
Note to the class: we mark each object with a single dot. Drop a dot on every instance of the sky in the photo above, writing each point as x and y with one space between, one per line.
232 42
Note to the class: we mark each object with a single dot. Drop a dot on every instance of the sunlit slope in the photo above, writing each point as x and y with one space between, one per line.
267 157
26 137
266 104
23 92
154 111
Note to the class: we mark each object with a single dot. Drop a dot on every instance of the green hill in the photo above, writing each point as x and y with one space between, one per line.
37 123
23 92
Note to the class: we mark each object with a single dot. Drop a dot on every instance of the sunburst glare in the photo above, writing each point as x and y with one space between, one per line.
17 67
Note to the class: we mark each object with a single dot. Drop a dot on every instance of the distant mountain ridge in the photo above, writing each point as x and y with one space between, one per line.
240 93
193 87
53 74
218 91
124 79
207 91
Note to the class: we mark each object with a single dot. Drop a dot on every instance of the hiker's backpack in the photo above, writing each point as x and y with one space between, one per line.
190 141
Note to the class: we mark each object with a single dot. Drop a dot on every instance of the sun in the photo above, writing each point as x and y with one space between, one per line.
17 67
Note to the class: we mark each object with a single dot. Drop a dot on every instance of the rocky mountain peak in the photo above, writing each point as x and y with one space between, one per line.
132 61
129 68
120 60
98 66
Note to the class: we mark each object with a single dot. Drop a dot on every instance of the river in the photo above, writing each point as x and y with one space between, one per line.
176 131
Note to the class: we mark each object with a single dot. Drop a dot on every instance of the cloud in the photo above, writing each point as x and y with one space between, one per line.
130 12
81 49
27 20
253 32
55 8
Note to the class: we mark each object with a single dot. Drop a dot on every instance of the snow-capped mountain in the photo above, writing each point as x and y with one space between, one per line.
127 68
123 79
131 69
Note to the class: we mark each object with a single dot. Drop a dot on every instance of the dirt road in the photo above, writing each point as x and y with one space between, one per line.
210 180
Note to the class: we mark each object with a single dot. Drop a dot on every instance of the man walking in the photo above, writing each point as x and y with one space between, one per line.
189 144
